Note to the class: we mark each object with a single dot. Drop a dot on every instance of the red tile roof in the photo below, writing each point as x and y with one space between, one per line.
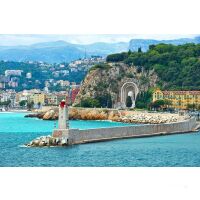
181 92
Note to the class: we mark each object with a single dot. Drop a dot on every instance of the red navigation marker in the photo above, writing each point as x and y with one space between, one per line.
62 103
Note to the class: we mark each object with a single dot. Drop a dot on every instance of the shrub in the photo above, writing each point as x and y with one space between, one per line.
128 102
90 103
117 57
103 66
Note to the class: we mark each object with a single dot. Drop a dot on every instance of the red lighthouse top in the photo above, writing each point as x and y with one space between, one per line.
62 103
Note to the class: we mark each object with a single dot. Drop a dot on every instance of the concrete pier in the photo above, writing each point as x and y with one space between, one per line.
77 136
63 137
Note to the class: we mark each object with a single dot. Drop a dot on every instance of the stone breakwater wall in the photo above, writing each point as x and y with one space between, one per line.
77 136
126 116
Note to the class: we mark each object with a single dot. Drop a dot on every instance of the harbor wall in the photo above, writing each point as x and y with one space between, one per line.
77 136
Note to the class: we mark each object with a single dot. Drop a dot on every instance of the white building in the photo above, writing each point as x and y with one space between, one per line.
13 72
8 95
29 75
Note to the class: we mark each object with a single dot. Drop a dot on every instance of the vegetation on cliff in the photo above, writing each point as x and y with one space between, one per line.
143 99
103 66
178 67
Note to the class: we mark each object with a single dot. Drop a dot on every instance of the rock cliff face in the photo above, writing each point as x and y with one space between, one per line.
111 79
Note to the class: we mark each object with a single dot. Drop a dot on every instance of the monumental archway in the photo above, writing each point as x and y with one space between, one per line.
128 89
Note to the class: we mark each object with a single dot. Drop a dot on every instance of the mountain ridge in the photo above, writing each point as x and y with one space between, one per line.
134 44
62 51
58 51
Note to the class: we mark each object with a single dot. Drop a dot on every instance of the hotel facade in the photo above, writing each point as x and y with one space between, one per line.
178 99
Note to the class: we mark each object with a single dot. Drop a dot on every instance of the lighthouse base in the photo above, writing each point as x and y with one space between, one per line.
60 133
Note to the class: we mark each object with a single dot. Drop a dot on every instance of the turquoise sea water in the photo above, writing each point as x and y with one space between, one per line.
15 130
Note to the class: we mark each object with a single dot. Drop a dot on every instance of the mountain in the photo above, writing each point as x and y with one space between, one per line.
104 48
58 51
49 55
61 51
134 44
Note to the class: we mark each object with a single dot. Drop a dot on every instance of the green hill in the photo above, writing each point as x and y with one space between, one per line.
166 66
178 67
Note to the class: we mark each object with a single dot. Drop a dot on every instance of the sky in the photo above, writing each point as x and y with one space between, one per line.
28 39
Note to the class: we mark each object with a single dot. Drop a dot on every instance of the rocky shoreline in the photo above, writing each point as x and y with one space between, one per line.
47 141
111 114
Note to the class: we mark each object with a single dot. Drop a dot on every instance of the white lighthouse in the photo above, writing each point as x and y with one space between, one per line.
63 116
62 131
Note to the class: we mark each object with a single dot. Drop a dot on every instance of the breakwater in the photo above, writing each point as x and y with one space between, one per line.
77 136
126 116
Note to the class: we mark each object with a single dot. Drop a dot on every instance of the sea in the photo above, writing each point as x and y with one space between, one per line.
182 150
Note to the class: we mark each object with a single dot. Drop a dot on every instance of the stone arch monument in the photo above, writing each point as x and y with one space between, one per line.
128 89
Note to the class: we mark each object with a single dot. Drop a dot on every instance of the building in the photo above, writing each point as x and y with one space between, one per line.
61 96
51 99
54 98
13 72
3 81
22 96
178 99
28 75
8 95
13 82
62 66
38 98
74 93
2 85
63 83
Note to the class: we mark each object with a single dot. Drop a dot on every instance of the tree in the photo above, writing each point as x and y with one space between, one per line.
90 103
128 102
117 57
139 50
30 105
158 104
39 104
102 66
198 107
22 103
130 75
192 106
5 103
167 102
144 99
178 67
105 100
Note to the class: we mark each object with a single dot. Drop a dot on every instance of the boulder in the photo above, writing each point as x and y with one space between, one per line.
49 115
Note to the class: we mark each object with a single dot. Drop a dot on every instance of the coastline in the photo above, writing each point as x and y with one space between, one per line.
20 111
16 111
101 114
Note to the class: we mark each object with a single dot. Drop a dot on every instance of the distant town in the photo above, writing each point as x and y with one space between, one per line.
46 84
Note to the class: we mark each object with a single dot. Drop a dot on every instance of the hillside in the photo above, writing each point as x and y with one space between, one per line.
101 86
164 65
40 73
